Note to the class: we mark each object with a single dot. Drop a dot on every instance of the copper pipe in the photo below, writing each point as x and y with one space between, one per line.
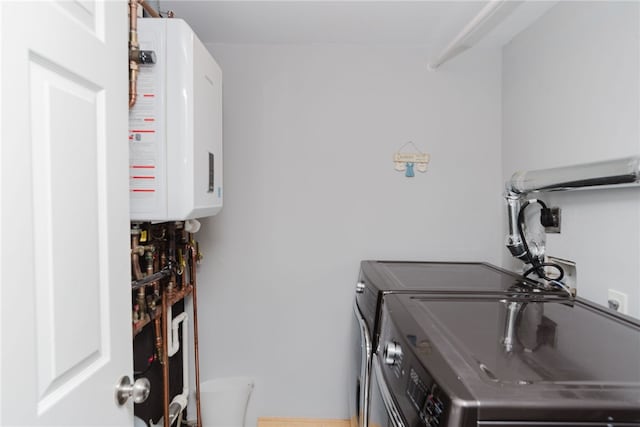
133 18
182 256
133 48
165 362
163 258
182 268
142 303
194 258
182 293
133 88
135 254
137 272
150 10
160 261
157 323
171 287
160 337
133 83
148 257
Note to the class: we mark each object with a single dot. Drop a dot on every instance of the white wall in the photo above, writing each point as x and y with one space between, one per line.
310 191
571 95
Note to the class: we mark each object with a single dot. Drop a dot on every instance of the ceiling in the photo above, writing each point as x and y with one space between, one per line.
427 24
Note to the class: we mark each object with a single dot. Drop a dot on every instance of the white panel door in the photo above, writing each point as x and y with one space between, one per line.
64 295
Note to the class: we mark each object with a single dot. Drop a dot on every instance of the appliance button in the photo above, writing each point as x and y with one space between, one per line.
429 405
360 286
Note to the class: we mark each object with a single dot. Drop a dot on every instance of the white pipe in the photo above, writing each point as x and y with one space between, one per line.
172 335
179 402
475 29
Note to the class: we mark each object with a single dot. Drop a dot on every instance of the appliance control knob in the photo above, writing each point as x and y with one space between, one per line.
392 353
360 287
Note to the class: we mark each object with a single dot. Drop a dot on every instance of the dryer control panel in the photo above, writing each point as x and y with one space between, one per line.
420 399
426 399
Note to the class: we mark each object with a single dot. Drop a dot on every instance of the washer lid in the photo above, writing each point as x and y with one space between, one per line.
515 341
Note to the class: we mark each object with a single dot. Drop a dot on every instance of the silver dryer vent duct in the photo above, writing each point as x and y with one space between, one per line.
604 174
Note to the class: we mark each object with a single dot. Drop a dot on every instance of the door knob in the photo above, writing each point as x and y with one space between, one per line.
139 390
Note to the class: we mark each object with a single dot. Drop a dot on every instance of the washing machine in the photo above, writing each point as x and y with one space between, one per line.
380 278
496 361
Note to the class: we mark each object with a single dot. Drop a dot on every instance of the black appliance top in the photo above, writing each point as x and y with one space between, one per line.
536 358
383 277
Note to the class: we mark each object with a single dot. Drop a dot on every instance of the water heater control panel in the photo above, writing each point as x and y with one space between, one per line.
175 127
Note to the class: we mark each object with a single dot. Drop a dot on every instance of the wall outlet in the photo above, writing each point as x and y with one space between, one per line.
617 301
555 226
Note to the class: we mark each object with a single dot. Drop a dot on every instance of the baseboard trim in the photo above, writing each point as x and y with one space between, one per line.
300 422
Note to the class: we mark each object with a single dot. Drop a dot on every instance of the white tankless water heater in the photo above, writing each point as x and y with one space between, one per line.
175 127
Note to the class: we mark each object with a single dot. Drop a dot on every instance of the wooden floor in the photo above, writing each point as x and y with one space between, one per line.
301 422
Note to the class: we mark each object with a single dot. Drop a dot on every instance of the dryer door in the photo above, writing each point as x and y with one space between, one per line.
360 372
